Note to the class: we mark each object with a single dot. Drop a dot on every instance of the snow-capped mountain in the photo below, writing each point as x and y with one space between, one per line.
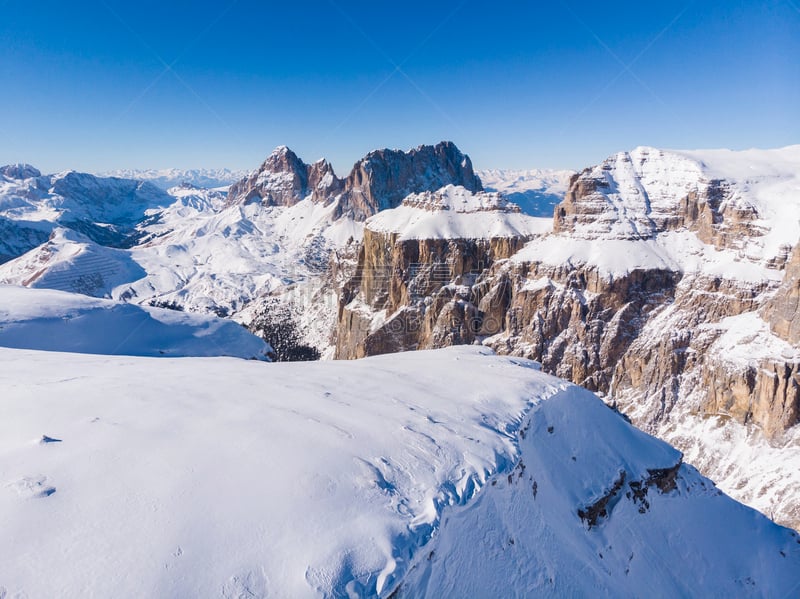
447 473
166 178
105 209
665 281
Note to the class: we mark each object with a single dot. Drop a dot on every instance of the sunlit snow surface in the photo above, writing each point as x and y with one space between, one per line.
445 473
57 321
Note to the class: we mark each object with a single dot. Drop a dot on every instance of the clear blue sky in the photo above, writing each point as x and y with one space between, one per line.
109 84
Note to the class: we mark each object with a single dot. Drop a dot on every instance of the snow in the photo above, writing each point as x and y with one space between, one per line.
218 477
59 321
69 261
74 198
227 258
643 188
454 212
741 461
768 180
747 340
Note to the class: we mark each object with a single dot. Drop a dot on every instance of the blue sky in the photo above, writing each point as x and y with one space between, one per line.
108 84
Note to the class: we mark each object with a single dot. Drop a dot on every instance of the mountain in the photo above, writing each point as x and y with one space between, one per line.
657 266
535 191
167 178
105 209
447 473
383 178
380 180
665 281
283 180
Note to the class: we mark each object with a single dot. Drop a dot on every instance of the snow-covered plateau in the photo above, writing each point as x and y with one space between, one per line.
452 472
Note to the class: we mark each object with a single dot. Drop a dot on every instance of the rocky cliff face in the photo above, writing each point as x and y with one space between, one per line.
639 194
380 180
782 312
659 287
414 293
412 288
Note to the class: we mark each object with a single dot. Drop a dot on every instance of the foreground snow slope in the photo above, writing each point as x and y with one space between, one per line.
445 473
59 321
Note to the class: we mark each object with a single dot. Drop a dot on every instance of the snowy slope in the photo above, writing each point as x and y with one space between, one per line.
535 191
454 212
446 473
679 251
58 321
70 196
70 261
220 260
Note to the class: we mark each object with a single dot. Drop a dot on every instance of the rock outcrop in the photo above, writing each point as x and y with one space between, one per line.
639 194
412 290
783 310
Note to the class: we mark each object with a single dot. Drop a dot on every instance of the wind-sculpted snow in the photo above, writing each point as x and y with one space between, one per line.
446 473
58 321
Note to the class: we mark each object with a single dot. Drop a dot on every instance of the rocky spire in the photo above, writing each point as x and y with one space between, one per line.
383 178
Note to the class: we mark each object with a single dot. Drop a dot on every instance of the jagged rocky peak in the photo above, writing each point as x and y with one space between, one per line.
283 179
323 184
19 171
383 178
380 180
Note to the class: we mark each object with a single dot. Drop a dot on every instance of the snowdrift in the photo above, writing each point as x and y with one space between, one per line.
443 473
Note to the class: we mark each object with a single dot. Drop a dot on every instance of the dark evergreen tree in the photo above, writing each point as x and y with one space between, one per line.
277 326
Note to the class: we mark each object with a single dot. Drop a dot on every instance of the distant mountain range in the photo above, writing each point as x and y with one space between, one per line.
170 177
